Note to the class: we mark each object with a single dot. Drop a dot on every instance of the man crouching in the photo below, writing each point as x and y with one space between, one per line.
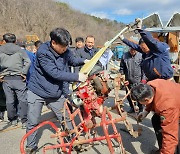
162 97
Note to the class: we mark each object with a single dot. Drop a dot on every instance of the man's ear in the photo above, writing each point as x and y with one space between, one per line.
147 100
53 42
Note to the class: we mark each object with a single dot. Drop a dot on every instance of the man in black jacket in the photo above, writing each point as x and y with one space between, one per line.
79 41
89 50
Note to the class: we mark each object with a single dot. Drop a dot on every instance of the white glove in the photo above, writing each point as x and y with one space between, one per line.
138 21
82 77
86 61
142 115
121 37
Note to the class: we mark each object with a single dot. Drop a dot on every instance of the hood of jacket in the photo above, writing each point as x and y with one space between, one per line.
9 48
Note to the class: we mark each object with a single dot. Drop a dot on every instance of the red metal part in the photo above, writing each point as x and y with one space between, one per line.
91 108
105 128
92 103
34 129
78 130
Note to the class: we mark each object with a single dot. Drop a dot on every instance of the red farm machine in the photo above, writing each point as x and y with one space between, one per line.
88 98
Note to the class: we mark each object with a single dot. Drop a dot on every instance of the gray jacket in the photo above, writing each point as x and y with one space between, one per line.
13 60
130 66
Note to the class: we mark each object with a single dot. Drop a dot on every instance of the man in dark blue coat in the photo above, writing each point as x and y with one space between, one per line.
156 62
48 82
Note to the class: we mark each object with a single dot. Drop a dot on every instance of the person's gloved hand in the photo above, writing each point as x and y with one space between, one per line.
142 115
143 81
138 21
121 37
126 83
123 77
82 77
1 78
86 61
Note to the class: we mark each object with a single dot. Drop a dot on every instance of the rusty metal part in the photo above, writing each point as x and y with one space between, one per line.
92 107
82 128
34 129
118 81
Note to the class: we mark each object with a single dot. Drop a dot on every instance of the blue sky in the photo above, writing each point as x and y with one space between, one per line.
126 10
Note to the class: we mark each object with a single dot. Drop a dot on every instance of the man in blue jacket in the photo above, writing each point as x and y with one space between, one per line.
156 62
48 82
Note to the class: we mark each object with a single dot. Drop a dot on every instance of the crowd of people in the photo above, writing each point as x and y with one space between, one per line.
31 80
160 94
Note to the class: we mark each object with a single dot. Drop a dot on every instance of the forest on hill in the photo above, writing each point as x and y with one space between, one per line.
28 17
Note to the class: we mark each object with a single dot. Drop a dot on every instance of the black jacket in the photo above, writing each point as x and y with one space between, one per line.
86 53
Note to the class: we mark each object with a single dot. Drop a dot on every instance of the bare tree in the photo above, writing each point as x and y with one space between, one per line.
39 17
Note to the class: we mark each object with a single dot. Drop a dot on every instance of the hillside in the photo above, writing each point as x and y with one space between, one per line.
23 17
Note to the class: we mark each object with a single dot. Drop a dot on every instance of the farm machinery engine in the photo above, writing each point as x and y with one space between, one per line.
91 95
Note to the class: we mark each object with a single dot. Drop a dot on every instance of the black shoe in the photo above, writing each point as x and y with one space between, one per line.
140 110
1 116
131 110
24 125
14 123
31 150
78 148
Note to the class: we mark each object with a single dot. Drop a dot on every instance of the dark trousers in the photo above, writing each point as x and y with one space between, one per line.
2 100
13 85
35 104
2 103
130 101
156 123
